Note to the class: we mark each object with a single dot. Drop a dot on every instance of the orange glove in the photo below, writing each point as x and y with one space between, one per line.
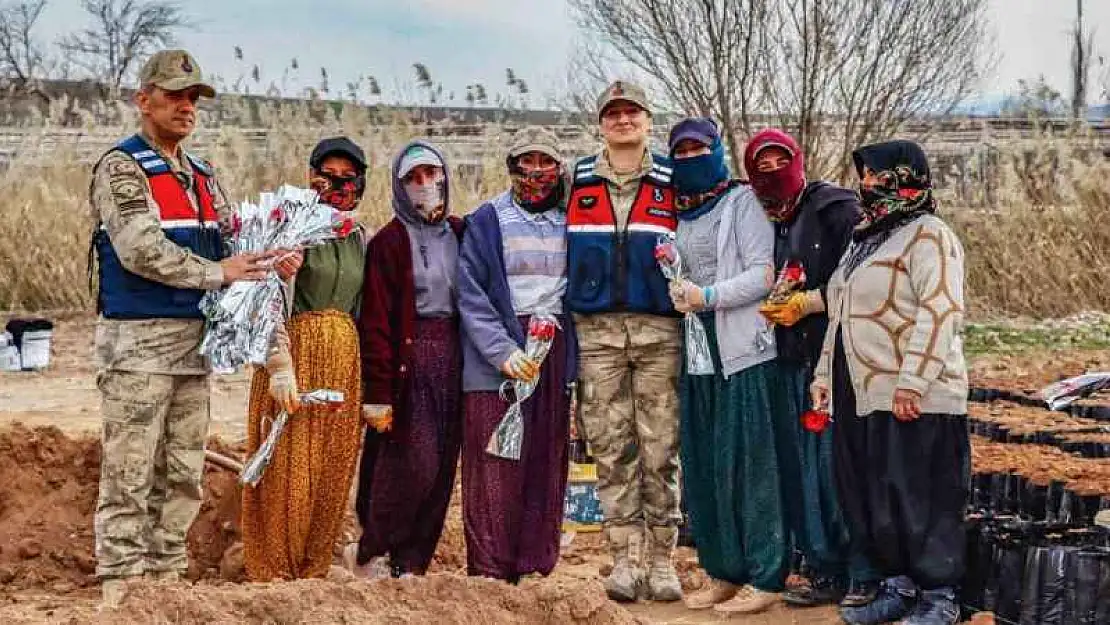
792 310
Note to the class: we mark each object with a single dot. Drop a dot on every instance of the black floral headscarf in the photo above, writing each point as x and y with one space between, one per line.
904 189
903 192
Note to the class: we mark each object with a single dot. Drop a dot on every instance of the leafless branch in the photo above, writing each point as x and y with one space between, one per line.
861 67
22 60
122 34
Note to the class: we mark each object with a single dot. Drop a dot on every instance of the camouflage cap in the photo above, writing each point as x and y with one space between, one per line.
535 139
174 70
622 90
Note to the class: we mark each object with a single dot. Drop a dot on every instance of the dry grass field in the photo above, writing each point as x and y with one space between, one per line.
1042 250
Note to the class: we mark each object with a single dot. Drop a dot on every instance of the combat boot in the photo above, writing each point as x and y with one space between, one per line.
662 582
112 591
163 576
627 577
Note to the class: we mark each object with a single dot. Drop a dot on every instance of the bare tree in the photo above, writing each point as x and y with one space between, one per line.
846 72
1083 40
22 60
863 67
699 53
122 34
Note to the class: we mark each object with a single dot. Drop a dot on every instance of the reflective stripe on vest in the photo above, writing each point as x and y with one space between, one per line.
611 266
126 295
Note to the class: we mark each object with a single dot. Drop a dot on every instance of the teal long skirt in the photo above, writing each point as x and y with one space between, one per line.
815 519
734 445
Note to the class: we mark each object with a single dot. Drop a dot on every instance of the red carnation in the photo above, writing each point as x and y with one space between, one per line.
665 251
908 194
236 224
794 272
344 227
542 330
815 421
277 215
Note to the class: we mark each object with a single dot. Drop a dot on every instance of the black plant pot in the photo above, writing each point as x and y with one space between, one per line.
1053 502
1033 500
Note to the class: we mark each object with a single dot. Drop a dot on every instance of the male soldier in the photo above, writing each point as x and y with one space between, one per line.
621 201
157 212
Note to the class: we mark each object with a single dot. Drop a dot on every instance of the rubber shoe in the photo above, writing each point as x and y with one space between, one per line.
716 591
860 594
376 568
895 600
748 600
813 592
936 607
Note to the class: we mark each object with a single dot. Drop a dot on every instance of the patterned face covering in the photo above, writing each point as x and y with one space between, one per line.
537 190
342 192
899 194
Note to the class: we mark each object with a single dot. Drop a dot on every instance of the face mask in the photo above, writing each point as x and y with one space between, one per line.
699 174
536 191
428 199
342 192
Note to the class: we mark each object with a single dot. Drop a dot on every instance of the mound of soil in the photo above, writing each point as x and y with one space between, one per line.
47 500
441 599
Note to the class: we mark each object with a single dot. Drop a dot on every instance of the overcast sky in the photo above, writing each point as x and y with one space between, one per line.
467 41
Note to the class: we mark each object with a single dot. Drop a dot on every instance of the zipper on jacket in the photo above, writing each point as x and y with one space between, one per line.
620 273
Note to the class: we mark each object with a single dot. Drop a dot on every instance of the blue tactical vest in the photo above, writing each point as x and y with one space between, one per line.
610 269
126 295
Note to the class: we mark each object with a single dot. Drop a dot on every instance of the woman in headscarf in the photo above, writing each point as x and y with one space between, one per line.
813 225
292 518
513 266
729 428
412 370
893 368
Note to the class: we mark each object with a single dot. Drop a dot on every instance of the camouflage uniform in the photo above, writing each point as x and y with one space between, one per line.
153 382
629 371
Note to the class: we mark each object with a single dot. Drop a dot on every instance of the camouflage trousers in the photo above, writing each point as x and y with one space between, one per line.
151 466
628 376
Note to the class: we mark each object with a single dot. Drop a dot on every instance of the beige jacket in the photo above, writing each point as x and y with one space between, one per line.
901 314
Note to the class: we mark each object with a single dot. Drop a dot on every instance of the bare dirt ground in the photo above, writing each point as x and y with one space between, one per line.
49 467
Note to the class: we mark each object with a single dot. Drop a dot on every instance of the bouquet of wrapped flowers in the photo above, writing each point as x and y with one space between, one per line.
699 360
791 277
256 465
509 435
241 317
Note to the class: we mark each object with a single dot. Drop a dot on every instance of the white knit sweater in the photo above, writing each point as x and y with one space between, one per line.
901 314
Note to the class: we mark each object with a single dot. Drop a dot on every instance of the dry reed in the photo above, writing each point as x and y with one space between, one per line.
1043 251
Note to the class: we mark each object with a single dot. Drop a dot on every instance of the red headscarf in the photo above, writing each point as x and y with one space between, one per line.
778 190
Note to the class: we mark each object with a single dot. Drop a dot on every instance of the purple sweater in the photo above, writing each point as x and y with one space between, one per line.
491 331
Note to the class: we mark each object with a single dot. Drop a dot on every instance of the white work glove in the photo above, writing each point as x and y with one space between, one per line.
378 416
283 388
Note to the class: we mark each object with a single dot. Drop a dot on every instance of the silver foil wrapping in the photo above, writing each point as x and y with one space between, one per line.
255 467
241 317
508 438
